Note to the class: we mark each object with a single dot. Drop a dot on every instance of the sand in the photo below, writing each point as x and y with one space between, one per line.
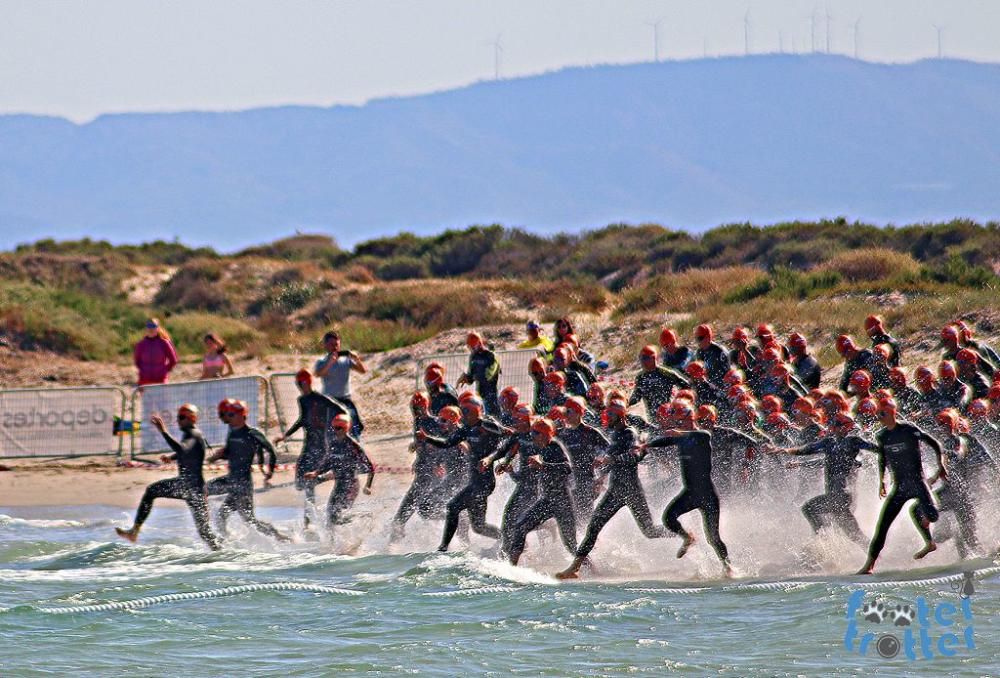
100 481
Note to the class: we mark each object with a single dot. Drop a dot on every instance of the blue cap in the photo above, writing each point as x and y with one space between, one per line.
151 325
532 325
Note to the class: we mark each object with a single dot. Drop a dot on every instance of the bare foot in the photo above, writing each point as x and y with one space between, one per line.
931 547
868 567
727 570
569 573
132 535
688 541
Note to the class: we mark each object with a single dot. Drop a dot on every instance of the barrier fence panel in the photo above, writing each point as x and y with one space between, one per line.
513 369
285 395
58 422
164 399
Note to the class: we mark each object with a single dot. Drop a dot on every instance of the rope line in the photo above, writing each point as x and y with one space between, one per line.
195 595
786 585
472 592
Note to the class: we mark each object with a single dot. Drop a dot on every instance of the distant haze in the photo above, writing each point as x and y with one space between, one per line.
687 144
80 58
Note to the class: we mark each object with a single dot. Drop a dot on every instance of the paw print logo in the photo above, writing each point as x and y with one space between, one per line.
903 615
874 611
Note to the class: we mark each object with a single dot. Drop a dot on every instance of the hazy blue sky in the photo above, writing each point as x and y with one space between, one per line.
79 59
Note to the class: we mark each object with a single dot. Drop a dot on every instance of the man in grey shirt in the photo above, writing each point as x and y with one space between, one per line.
335 370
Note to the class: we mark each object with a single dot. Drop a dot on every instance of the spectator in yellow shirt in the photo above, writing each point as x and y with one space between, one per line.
538 341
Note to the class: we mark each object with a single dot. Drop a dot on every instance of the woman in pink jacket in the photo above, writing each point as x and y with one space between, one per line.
154 355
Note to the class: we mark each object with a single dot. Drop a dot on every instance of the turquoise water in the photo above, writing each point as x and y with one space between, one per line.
463 613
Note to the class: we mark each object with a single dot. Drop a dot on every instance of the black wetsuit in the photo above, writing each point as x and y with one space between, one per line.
709 394
896 356
955 394
899 448
908 399
807 370
964 459
483 440
526 482
744 358
316 411
575 383
977 384
677 360
425 495
444 396
986 354
985 364
716 362
584 444
728 446
656 387
345 459
553 500
188 486
242 446
545 402
585 373
694 449
864 360
484 371
840 465
623 490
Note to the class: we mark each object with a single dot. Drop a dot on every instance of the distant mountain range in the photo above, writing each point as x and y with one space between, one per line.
686 144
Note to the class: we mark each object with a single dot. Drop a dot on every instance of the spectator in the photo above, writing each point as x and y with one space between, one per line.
216 363
154 356
538 341
335 370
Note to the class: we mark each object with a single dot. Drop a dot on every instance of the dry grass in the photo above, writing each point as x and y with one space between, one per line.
687 291
873 264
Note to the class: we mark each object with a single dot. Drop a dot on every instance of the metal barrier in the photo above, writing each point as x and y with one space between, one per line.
285 395
164 399
61 422
513 369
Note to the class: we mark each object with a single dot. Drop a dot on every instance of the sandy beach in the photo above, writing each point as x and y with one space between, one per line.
96 480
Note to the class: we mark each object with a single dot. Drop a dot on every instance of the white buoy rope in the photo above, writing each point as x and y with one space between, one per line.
788 585
197 595
472 592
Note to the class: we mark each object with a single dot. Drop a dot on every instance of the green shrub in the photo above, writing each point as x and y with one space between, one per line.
403 268
188 332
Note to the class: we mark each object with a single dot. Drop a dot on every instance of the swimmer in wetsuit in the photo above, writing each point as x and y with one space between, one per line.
549 462
483 436
899 448
584 443
188 486
694 449
243 444
345 458
316 411
624 488
840 456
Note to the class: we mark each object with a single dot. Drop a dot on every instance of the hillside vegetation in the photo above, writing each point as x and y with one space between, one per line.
76 297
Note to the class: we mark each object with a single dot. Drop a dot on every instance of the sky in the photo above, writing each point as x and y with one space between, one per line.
79 59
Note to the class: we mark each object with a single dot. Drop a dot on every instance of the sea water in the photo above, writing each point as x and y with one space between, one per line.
465 612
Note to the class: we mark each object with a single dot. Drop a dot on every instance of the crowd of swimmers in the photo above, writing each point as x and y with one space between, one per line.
723 418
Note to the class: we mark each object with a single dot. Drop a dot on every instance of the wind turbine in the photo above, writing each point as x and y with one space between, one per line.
497 52
829 23
655 25
940 30
746 32
857 33
812 30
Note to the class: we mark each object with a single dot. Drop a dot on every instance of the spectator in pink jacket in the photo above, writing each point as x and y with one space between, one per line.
154 355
